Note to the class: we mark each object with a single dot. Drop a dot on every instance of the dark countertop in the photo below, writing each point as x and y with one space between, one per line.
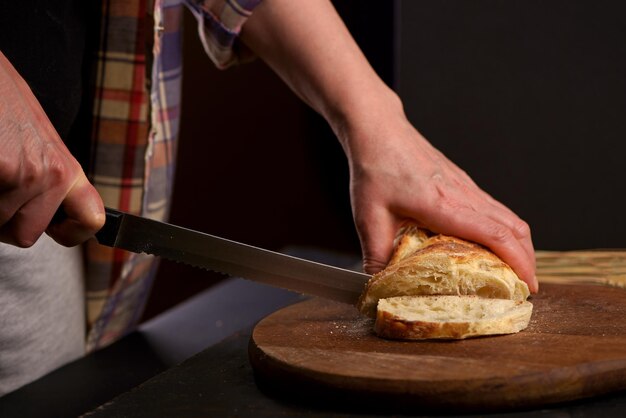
219 382
166 370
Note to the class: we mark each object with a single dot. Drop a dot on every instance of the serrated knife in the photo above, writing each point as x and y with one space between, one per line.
143 235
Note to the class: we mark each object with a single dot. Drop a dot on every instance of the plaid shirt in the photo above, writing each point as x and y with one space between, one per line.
135 130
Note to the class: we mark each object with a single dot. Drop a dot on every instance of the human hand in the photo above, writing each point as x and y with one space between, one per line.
396 174
38 174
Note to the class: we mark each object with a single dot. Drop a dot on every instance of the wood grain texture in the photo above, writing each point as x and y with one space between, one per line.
575 267
574 347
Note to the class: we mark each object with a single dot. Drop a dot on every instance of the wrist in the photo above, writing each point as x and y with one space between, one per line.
365 116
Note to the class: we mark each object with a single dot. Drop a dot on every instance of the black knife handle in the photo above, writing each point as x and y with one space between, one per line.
108 234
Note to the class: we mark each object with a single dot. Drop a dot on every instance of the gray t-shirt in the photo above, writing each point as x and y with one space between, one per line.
42 310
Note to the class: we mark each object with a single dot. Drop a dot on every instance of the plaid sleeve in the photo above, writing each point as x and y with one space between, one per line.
219 24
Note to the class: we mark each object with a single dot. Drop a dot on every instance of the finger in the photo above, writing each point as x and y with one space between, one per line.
502 214
25 209
83 215
520 229
9 205
29 222
14 195
499 213
476 227
377 230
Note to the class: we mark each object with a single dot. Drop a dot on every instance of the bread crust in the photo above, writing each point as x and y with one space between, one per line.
408 239
427 264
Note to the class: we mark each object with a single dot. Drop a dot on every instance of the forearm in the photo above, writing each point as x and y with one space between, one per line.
308 45
395 173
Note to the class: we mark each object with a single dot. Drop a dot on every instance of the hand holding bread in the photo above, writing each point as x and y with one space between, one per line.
396 174
437 286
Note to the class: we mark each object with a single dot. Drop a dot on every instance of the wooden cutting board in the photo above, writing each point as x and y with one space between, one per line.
574 347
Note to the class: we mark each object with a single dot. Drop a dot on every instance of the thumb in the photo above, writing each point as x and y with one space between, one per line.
377 231
82 215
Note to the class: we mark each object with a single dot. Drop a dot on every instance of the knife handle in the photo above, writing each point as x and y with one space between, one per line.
108 234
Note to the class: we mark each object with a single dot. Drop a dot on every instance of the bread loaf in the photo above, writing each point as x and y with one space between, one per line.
426 264
449 317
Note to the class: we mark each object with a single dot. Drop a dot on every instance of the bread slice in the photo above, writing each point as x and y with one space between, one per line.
449 317
427 264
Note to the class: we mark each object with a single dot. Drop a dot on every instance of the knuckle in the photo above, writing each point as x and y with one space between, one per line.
447 206
440 201
58 172
499 233
372 265
31 173
521 229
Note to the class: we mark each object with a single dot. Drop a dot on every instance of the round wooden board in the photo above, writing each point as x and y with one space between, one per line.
574 347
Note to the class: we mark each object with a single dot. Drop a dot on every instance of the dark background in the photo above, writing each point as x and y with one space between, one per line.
529 97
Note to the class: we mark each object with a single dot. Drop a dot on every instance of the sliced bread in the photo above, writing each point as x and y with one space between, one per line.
427 264
449 317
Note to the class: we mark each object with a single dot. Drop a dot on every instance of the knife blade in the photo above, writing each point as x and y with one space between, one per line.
143 235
